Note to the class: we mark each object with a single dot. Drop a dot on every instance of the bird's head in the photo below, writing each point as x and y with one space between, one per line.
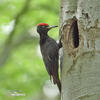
43 28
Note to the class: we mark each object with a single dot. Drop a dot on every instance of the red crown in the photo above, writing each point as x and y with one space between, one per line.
43 24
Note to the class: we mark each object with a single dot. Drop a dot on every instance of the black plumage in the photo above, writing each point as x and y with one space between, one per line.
49 49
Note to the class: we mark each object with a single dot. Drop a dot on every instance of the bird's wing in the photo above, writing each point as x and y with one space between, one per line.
51 59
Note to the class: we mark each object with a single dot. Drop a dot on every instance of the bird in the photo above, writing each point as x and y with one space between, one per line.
50 52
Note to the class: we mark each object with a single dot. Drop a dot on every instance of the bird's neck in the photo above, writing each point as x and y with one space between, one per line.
43 38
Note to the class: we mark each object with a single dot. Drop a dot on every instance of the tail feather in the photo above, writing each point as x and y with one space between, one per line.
59 85
57 81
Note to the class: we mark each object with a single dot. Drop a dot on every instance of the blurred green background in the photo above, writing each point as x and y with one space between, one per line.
22 72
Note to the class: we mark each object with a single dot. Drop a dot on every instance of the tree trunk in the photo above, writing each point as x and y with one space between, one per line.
80 75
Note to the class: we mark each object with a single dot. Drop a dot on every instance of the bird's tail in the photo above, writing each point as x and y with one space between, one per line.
57 81
59 85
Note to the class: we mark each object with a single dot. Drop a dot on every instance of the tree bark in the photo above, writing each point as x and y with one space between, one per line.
80 75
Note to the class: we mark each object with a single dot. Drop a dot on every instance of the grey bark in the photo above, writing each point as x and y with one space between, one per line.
80 75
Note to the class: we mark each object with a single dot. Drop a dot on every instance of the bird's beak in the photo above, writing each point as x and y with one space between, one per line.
50 27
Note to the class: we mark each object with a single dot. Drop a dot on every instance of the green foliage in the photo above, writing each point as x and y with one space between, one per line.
24 71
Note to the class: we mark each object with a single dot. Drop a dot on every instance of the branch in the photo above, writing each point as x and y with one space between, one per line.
17 18
8 47
15 44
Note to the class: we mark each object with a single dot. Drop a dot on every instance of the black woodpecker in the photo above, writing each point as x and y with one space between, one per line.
49 49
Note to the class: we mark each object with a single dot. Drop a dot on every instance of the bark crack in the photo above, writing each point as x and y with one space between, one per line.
85 96
76 59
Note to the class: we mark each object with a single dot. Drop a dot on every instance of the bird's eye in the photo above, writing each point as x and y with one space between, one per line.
43 26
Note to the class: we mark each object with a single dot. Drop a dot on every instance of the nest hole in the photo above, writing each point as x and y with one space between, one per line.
75 34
